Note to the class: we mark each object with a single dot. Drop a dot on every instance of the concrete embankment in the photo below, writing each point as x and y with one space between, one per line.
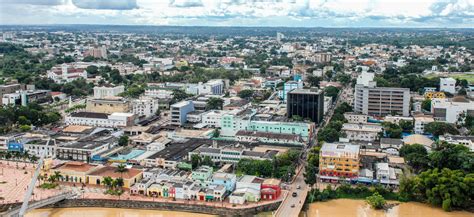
186 207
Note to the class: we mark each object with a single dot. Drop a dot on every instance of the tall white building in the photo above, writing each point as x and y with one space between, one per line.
366 79
107 91
420 122
145 106
447 85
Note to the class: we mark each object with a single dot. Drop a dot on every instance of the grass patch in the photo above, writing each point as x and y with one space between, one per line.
468 77
117 192
48 185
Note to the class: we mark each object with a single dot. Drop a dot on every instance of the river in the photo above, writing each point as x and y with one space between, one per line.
358 208
333 208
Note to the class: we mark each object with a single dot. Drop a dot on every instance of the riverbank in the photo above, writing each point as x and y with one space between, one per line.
190 207
107 212
356 208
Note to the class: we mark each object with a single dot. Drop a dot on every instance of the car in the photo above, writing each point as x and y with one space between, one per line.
292 205
294 194
298 187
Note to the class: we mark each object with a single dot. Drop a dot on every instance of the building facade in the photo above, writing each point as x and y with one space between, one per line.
338 160
306 103
382 101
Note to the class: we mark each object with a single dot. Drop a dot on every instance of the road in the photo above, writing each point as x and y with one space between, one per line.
286 209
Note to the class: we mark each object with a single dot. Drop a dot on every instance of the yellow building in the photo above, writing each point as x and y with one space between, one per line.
130 177
338 160
434 95
181 63
109 105
72 171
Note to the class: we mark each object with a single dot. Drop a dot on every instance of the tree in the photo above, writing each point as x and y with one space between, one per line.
455 157
331 91
215 103
179 95
245 94
376 201
416 156
310 174
407 126
392 130
328 134
426 105
121 168
440 128
107 181
123 140
296 118
195 161
313 80
462 92
207 161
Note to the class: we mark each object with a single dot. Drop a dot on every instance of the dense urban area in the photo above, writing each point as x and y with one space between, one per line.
236 118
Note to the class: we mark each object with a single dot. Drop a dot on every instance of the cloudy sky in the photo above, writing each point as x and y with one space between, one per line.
303 13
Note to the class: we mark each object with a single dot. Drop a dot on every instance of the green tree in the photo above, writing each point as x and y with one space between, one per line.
416 156
426 105
455 157
313 80
195 161
331 91
407 126
207 161
214 103
392 130
121 168
328 134
376 201
107 181
245 94
123 140
440 128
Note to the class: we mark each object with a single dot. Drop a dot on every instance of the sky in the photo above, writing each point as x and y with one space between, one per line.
291 13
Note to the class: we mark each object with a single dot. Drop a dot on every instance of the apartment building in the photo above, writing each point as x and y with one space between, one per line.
145 106
382 101
449 110
361 132
447 85
420 122
338 160
356 118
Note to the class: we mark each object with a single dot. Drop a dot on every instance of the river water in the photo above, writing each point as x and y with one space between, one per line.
333 208
358 208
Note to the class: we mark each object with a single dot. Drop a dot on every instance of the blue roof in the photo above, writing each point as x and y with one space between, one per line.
132 154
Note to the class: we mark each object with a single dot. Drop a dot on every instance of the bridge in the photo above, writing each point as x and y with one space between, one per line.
15 212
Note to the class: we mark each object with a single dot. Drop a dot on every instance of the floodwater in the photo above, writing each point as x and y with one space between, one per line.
358 208
108 212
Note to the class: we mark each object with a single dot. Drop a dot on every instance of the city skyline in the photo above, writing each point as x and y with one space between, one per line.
252 13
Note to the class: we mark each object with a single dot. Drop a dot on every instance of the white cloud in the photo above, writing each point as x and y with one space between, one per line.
330 13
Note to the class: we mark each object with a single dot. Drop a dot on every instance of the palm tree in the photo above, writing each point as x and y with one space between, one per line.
51 178
120 182
40 177
121 169
57 175
114 183
33 159
107 181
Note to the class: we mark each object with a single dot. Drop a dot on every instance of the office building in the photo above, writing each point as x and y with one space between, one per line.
381 101
8 88
100 119
306 103
108 105
145 106
179 112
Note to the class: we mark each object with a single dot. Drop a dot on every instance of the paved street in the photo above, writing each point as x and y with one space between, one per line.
286 209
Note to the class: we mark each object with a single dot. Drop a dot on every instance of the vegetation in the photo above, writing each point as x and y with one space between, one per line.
331 91
376 201
331 132
439 128
312 167
282 166
215 103
245 94
123 140
32 114
348 191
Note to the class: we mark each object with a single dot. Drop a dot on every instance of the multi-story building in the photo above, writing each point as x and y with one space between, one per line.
231 154
306 103
179 112
23 97
97 52
8 88
382 101
66 73
108 105
238 120
100 119
145 106
420 122
356 118
289 86
338 160
213 118
434 94
467 141
450 110
106 91
361 132
211 87
447 85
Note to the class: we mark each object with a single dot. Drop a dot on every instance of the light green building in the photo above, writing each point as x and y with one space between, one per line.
234 122
202 173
